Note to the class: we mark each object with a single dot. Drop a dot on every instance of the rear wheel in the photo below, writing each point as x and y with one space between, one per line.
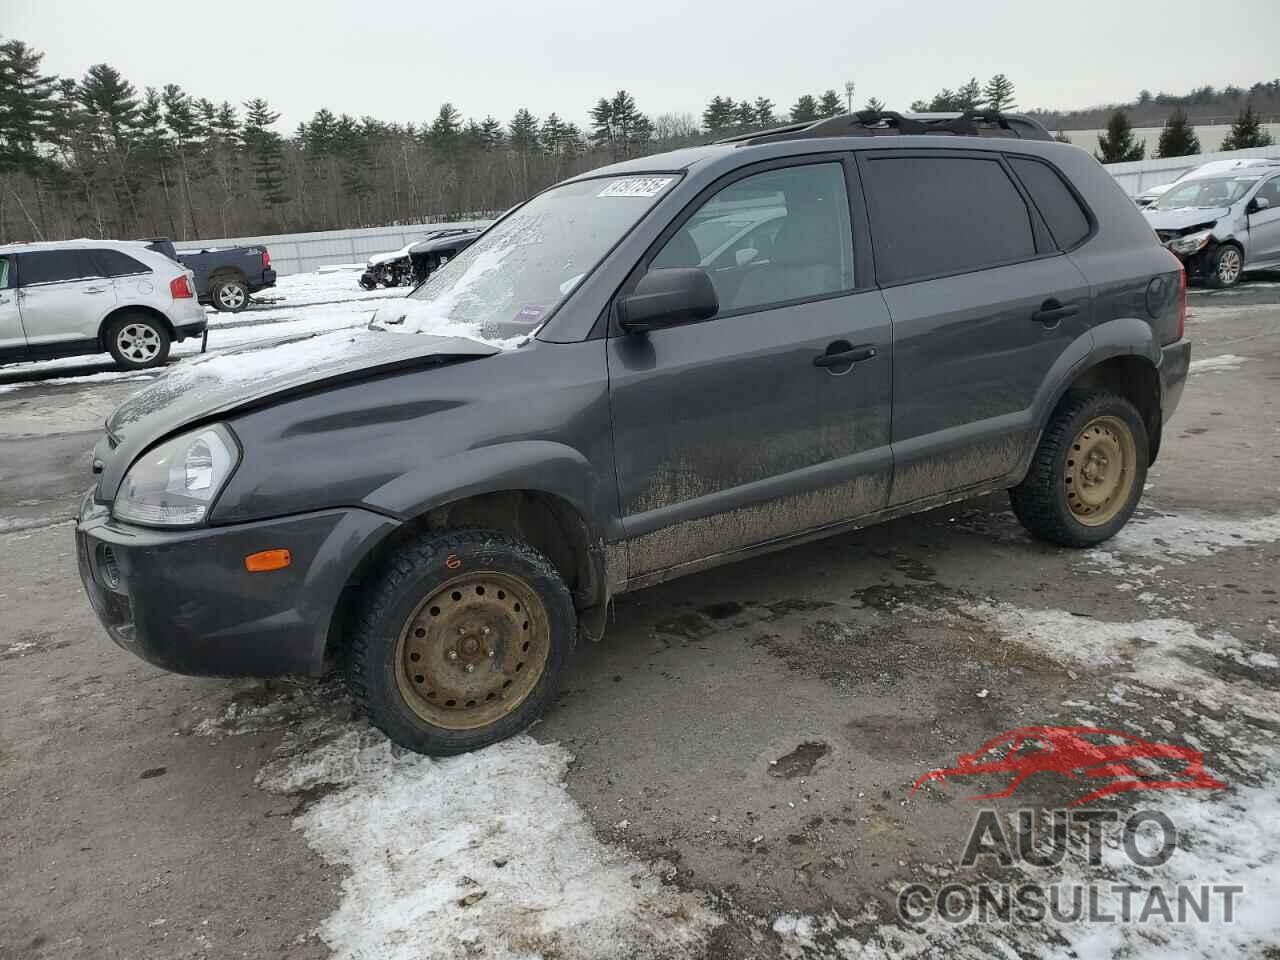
1087 474
229 296
462 641
137 341
1225 266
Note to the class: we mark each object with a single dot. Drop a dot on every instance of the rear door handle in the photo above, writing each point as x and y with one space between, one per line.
1052 312
843 358
94 290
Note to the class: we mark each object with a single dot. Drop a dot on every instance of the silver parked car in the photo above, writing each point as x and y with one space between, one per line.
76 297
1220 223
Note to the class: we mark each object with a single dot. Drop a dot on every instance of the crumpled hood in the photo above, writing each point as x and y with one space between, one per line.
210 386
1180 218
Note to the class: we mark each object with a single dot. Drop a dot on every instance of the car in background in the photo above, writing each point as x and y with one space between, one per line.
226 277
413 263
77 297
1221 222
1150 195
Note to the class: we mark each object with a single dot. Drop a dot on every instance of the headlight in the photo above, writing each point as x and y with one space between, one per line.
174 484
1192 243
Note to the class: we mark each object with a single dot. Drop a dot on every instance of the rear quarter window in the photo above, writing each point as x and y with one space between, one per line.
114 263
932 216
1066 219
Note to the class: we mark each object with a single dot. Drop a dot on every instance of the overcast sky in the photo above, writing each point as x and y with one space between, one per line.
399 59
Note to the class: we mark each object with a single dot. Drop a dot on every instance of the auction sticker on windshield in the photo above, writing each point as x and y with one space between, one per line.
636 187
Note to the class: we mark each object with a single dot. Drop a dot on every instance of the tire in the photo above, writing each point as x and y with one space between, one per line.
229 296
137 341
367 282
1225 266
1087 475
444 636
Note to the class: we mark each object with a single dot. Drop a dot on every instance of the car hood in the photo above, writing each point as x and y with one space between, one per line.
211 386
1180 217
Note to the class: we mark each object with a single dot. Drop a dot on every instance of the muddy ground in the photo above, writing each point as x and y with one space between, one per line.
738 753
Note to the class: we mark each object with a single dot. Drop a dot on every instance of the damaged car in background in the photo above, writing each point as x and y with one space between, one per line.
653 368
412 264
1221 224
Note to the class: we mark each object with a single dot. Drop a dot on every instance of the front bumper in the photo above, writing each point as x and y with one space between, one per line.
183 600
1175 362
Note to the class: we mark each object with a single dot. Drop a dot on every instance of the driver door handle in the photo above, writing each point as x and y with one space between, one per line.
844 357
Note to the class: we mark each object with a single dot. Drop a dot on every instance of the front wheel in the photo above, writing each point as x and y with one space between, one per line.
229 296
461 642
1087 473
138 341
1225 266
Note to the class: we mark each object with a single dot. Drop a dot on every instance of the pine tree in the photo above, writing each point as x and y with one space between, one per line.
944 101
999 93
26 117
602 123
1117 144
830 104
180 118
551 135
266 154
764 112
1247 131
492 132
1178 138
719 114
875 104
744 115
969 95
806 109
619 125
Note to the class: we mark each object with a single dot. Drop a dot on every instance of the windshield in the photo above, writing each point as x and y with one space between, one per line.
1218 192
504 285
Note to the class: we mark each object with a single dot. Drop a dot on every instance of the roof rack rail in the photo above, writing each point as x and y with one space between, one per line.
873 123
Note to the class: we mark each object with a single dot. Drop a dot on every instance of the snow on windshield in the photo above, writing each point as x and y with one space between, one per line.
503 287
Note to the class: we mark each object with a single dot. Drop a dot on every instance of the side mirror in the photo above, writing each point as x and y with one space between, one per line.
669 297
1258 204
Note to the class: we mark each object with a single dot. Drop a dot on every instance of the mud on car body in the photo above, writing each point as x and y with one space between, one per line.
663 365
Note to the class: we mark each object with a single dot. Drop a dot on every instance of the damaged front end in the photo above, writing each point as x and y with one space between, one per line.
1193 245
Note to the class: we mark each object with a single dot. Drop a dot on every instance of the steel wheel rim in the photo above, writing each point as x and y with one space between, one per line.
473 650
1229 265
231 295
139 342
1100 471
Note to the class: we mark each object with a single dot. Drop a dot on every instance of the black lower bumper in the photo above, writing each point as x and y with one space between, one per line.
191 330
1175 362
183 600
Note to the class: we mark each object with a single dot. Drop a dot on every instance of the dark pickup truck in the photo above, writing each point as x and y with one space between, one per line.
225 276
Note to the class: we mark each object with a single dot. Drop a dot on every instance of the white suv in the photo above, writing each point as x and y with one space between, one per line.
76 297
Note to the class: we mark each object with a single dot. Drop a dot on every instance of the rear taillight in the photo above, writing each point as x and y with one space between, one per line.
1182 302
266 258
180 287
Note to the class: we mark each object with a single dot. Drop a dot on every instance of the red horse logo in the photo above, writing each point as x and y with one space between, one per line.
1129 762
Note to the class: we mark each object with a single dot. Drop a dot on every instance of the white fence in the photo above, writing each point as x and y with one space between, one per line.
1211 136
1137 175
304 252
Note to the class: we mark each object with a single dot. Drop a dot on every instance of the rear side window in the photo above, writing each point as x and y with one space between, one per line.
56 266
113 263
932 216
4 273
1067 221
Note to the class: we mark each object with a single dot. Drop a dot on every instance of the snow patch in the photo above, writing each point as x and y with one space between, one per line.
1181 537
1226 361
484 854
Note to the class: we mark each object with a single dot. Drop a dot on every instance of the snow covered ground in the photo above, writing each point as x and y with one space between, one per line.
304 303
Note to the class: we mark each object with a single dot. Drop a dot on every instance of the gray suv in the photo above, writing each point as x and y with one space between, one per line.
647 370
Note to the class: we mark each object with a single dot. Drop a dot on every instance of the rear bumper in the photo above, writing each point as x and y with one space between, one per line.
268 280
191 329
1175 361
182 599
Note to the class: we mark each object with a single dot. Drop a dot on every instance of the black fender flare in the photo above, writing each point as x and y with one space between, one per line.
1122 337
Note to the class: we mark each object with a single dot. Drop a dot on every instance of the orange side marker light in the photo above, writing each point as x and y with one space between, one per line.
265 560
